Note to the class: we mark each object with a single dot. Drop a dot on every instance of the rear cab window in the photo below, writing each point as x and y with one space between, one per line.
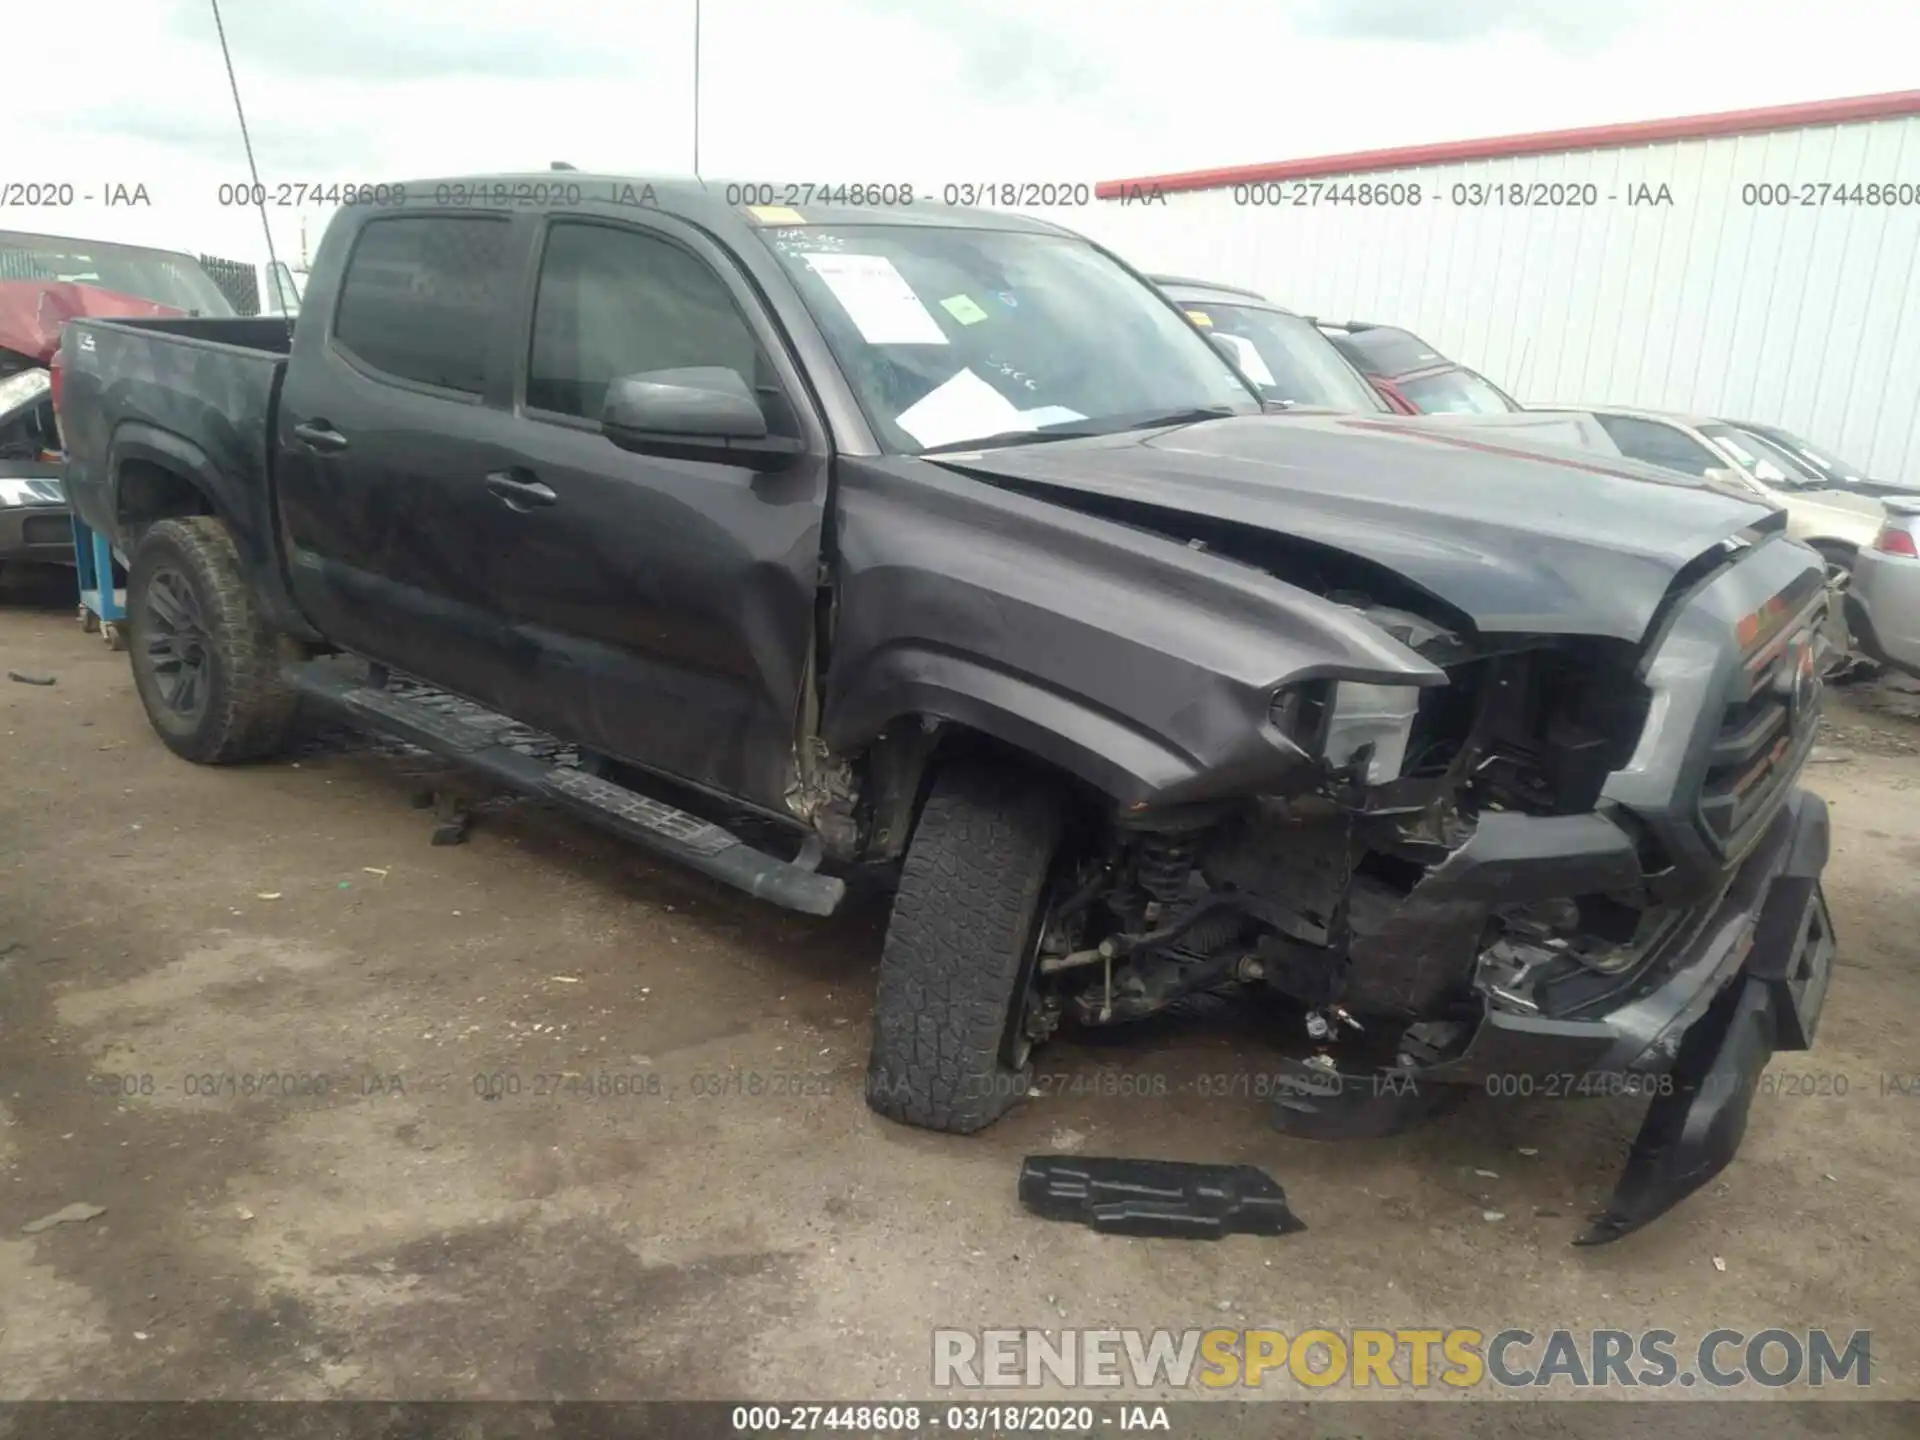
419 297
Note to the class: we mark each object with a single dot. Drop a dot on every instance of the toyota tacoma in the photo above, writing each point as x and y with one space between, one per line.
941 543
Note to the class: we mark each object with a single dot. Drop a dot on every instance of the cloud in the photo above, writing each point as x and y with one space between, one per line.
1003 53
1576 29
383 40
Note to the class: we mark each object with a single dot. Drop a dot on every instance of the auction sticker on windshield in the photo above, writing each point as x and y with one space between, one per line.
963 309
877 299
965 407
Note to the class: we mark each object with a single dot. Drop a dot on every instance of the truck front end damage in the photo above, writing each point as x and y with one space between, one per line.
1581 866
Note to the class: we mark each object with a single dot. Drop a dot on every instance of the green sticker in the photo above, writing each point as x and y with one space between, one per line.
962 308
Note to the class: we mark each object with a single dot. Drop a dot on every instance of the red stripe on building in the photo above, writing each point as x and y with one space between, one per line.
1894 105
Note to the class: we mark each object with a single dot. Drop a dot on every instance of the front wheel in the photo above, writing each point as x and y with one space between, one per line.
206 660
951 1033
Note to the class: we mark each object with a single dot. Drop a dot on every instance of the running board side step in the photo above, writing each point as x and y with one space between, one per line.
659 827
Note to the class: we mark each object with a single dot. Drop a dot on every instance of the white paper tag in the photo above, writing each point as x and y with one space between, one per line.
1248 358
1049 415
964 408
878 300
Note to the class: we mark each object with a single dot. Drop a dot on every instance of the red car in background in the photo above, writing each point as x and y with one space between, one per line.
45 281
1413 377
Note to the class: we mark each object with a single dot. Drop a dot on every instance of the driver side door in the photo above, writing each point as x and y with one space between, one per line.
662 609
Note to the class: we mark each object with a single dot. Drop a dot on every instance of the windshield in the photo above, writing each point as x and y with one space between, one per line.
1455 392
176 281
1287 357
1762 459
956 335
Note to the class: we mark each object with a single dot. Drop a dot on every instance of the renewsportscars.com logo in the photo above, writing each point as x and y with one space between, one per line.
1363 1359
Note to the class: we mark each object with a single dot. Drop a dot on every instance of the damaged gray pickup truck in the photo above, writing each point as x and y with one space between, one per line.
941 542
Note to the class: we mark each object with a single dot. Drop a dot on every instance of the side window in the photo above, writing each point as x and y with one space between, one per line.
419 297
1659 444
615 302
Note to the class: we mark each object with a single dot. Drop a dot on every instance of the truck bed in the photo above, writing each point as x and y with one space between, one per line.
192 392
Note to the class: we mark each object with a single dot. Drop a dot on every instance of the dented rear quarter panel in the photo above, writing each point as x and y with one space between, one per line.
1142 666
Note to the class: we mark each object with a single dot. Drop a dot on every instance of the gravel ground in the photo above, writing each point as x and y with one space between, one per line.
372 1225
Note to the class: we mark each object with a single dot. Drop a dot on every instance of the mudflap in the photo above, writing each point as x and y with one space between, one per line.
1172 1198
1693 1130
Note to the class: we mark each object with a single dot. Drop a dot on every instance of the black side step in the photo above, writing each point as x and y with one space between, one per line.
694 842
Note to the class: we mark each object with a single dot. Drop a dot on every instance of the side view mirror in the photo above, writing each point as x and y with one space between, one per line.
700 413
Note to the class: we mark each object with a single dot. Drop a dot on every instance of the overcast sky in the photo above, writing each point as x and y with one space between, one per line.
920 91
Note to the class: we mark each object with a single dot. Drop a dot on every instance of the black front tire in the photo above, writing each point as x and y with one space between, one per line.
958 965
189 606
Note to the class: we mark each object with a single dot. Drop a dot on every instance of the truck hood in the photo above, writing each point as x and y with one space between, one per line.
1541 540
34 312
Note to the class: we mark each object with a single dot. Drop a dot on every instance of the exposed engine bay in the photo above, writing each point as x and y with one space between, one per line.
1348 900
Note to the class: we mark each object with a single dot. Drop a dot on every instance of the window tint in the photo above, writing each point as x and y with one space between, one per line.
1659 444
420 295
615 302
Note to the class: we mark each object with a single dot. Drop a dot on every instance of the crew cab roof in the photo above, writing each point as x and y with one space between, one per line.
702 203
1385 350
1203 291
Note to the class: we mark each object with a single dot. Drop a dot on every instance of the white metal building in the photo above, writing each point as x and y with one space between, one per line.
1760 265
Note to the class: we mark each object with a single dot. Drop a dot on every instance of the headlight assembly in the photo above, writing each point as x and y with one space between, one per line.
1336 721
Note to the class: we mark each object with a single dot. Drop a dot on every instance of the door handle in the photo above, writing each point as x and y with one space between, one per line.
519 491
319 435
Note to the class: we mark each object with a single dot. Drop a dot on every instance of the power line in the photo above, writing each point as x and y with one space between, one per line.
253 170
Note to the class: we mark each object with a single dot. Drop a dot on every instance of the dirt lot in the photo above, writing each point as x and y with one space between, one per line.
174 931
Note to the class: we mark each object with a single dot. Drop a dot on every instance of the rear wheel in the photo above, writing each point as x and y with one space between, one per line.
959 971
206 661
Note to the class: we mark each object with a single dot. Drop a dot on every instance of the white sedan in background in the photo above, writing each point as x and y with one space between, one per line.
1833 522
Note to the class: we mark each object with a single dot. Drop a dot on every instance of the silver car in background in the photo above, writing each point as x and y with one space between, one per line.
1836 524
1883 600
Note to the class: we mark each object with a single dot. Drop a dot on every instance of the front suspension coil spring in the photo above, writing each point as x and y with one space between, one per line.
1164 863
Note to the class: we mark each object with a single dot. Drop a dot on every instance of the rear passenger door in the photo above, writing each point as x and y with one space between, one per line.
392 415
668 604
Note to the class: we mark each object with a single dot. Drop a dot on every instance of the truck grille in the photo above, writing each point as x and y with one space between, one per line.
1768 724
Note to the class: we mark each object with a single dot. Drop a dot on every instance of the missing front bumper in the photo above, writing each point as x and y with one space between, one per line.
1750 979
1692 1131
